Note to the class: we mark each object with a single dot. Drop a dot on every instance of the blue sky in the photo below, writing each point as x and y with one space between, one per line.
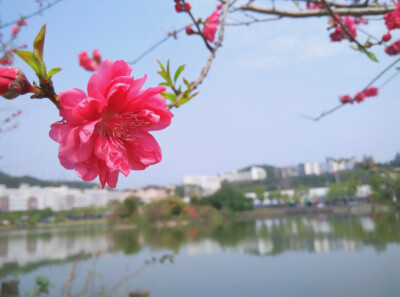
248 110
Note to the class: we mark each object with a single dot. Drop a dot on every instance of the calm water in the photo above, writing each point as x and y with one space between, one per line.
303 256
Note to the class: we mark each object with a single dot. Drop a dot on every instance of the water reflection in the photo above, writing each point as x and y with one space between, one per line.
320 234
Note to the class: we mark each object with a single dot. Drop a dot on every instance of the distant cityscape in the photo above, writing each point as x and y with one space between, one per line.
57 198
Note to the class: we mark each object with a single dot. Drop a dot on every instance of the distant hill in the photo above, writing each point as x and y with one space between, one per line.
15 182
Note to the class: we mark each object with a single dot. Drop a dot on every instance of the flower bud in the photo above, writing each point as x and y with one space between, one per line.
13 83
178 7
189 30
188 7
386 37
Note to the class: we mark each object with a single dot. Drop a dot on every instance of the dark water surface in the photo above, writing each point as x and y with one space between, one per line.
299 256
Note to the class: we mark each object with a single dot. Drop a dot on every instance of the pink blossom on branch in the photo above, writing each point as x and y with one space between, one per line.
392 19
15 31
393 49
106 131
90 64
211 26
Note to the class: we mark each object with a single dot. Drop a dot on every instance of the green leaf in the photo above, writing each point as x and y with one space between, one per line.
169 80
169 96
164 84
53 71
161 65
371 55
165 76
187 83
355 47
38 43
42 67
178 72
29 58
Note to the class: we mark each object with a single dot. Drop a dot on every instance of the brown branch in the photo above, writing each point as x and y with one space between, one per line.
352 11
206 68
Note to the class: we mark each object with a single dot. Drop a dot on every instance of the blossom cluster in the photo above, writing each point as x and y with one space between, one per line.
349 22
392 22
90 64
210 25
360 96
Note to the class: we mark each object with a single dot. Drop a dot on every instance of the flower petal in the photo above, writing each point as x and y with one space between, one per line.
108 71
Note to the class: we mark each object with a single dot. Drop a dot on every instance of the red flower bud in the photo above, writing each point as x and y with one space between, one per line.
187 6
189 30
178 7
346 99
386 37
370 92
219 6
13 83
359 97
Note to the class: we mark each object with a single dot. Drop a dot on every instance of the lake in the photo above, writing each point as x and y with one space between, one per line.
294 256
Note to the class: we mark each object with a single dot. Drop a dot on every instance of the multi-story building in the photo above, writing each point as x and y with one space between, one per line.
253 174
28 197
200 185
310 168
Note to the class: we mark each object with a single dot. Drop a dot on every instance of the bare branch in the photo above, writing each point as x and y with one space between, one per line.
157 44
32 14
254 21
353 11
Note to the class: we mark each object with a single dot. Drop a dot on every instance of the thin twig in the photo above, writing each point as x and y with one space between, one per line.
325 113
157 44
382 73
32 14
253 22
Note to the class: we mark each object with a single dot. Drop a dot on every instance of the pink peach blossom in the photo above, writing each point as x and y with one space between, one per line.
15 31
87 63
106 131
211 26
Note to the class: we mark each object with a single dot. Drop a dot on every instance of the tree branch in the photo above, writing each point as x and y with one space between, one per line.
353 11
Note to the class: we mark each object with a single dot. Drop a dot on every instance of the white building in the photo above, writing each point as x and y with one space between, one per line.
310 168
201 185
28 197
149 194
253 174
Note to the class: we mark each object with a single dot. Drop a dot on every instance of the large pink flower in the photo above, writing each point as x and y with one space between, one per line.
107 131
211 26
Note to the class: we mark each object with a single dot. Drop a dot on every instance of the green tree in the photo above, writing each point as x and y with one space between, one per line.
231 199
259 191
